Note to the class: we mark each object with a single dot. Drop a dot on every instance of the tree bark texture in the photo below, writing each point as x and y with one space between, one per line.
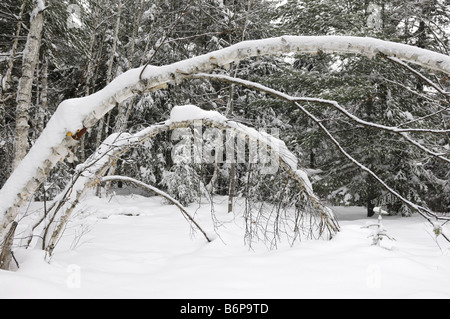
24 91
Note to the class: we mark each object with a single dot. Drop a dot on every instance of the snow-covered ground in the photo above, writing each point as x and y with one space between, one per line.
131 246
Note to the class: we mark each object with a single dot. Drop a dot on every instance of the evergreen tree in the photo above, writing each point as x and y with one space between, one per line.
371 91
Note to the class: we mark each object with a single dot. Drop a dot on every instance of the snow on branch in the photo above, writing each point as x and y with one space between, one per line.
439 89
401 132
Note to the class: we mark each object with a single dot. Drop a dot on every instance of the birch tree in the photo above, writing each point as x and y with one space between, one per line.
24 96
24 92
6 94
322 221
40 115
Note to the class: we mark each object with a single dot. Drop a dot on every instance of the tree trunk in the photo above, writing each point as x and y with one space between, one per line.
124 109
109 71
232 186
104 126
89 70
6 254
24 95
40 117
24 91
230 109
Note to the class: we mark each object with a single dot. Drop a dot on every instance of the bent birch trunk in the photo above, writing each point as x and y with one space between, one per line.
73 117
92 171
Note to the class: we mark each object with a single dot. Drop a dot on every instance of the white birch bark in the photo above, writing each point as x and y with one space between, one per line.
24 91
40 121
24 95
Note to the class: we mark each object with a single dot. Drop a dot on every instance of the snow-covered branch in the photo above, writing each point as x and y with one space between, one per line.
419 75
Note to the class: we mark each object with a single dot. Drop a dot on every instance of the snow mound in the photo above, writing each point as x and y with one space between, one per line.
192 113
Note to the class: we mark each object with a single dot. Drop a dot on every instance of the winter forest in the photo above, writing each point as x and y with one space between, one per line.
299 148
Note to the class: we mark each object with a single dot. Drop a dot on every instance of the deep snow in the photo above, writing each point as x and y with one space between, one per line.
134 246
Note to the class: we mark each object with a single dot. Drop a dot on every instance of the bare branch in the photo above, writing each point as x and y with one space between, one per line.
437 87
399 131
157 192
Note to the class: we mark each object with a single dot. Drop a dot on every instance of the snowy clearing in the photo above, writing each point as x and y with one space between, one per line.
133 246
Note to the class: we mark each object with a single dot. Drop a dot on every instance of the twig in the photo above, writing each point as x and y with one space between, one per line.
15 260
185 11
158 192
402 132
418 74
